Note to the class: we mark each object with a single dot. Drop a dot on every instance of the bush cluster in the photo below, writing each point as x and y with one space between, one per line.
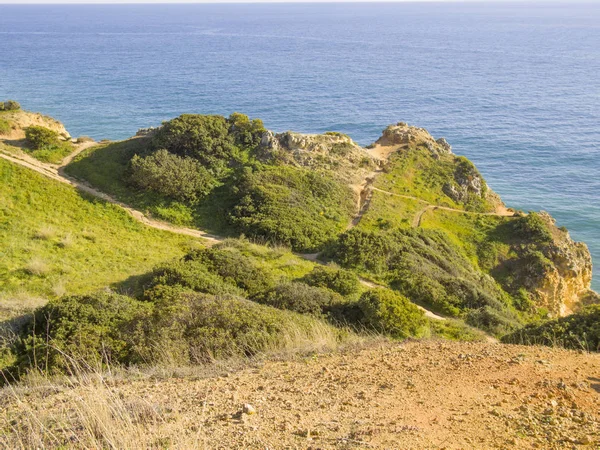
391 313
302 298
203 138
291 206
579 331
173 176
39 137
9 105
180 326
342 281
426 267
93 328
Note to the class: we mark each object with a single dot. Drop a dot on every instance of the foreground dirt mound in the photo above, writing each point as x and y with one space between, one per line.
415 395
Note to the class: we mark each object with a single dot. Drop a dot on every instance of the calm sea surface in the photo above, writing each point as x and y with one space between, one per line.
515 88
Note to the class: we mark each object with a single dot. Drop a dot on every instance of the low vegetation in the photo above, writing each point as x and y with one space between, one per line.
5 127
9 105
204 171
46 145
579 331
424 266
56 240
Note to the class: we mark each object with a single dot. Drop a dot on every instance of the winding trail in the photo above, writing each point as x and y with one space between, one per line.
416 222
57 173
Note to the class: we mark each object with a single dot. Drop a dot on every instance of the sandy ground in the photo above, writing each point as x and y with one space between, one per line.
416 395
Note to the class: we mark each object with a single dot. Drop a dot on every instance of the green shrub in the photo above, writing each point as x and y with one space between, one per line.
5 127
170 175
9 105
495 321
342 281
291 206
391 313
235 268
532 228
580 331
247 133
216 270
425 266
301 298
191 274
197 328
178 326
40 137
204 138
71 330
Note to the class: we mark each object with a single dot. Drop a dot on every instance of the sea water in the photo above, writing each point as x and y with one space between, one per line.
514 87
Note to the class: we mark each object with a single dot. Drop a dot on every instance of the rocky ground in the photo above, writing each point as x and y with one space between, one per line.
412 395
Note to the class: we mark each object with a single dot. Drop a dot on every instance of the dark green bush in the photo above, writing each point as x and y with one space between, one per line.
391 313
197 328
301 298
92 329
204 138
170 175
426 267
218 270
194 275
247 133
578 331
492 320
342 281
178 326
9 105
291 206
40 137
235 268
532 228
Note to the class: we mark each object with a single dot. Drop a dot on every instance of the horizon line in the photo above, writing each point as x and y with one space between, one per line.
191 2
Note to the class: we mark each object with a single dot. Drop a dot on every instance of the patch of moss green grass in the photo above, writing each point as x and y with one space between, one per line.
56 240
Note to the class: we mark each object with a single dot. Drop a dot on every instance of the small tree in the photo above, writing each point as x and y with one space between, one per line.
40 137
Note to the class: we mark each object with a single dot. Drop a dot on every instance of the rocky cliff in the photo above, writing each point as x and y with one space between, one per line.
19 120
561 283
566 284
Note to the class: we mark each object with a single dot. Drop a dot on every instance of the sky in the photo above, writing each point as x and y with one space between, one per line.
22 2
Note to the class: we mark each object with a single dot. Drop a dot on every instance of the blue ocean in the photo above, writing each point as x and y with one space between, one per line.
514 87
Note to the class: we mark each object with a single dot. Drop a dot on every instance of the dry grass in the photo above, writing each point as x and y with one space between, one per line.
19 303
46 233
93 412
66 241
37 267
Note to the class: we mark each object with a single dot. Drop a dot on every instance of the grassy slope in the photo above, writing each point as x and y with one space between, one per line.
71 243
105 167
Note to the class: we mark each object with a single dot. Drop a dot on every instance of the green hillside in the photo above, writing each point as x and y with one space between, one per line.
55 240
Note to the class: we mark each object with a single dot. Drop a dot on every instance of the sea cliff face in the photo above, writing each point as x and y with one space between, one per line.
566 285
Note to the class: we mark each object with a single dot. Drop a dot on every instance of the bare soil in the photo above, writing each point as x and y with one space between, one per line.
414 395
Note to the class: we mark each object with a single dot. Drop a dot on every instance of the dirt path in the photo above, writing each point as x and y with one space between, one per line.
56 172
416 222
411 395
